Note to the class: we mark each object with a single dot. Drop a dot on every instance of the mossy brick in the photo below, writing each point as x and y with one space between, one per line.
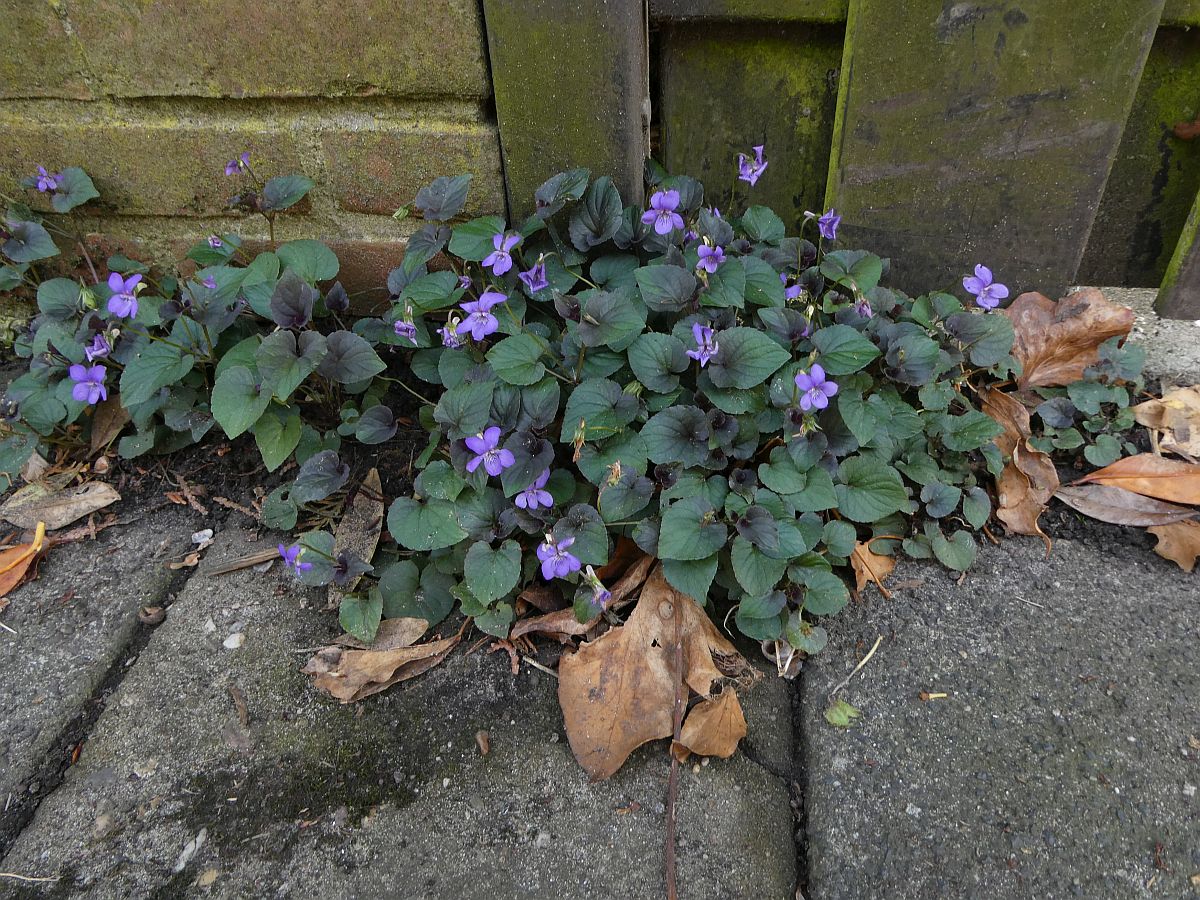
38 58
1181 12
743 10
726 89
376 170
225 48
1179 296
984 133
571 90
1155 176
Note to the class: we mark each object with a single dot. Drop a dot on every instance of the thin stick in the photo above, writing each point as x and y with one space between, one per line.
28 877
866 659
1030 602
537 665
673 779
245 562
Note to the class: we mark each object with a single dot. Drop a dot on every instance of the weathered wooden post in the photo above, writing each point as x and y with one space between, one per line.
973 132
571 88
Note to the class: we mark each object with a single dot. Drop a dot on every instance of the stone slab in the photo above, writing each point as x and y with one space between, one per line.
68 629
38 58
304 48
984 134
388 798
1060 759
1172 345
716 82
1156 175
742 10
571 89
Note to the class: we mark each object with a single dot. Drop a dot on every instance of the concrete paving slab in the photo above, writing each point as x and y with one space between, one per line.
1172 345
69 628
174 797
1063 762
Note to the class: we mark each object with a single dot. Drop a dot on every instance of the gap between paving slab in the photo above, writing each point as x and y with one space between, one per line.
74 629
387 798
1059 761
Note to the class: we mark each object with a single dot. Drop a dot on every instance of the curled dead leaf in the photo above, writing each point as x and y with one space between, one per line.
1029 478
562 624
350 675
108 419
18 564
870 567
617 692
391 635
1174 420
1056 341
712 728
1178 542
54 504
1122 507
1152 476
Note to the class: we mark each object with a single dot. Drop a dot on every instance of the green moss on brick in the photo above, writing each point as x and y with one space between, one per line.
726 89
1179 295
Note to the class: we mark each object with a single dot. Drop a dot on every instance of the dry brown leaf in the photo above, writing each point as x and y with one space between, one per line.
55 504
392 635
1153 476
1175 418
18 564
624 555
107 421
1029 478
870 567
562 625
712 728
358 531
1055 342
350 675
543 596
1122 507
35 467
1178 542
618 691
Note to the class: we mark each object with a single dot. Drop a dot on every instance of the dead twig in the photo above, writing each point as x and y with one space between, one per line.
244 510
866 659
189 494
245 562
29 877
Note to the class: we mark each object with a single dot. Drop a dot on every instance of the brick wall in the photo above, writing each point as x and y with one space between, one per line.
369 98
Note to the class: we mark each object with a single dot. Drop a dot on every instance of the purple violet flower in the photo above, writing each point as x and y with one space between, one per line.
535 495
600 594
816 389
464 282
716 213
480 323
556 561
662 212
500 260
237 164
291 558
450 340
46 181
123 302
209 282
828 225
535 279
706 344
406 329
98 349
988 292
89 383
215 242
862 306
710 258
485 446
751 171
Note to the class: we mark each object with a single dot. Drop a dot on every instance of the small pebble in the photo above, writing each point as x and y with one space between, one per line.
445 782
234 641
1189 790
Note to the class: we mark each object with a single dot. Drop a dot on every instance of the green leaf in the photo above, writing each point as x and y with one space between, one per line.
311 260
376 425
277 433
746 358
516 359
439 481
860 417
320 475
629 495
665 288
437 290
727 286
825 593
283 364
473 240
443 198
598 217
490 574
818 493
496 621
283 191
853 268
977 507
609 319
558 190
693 577
465 408
657 360
957 552
840 714
761 224
689 530
628 448
74 189
237 399
584 524
843 350
970 431
28 242
988 338
155 366
1105 451
350 359
601 405
913 359
763 287
359 616
317 549
940 499
279 510
867 490
58 298
756 572
678 434
424 524
839 537
767 628
781 474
